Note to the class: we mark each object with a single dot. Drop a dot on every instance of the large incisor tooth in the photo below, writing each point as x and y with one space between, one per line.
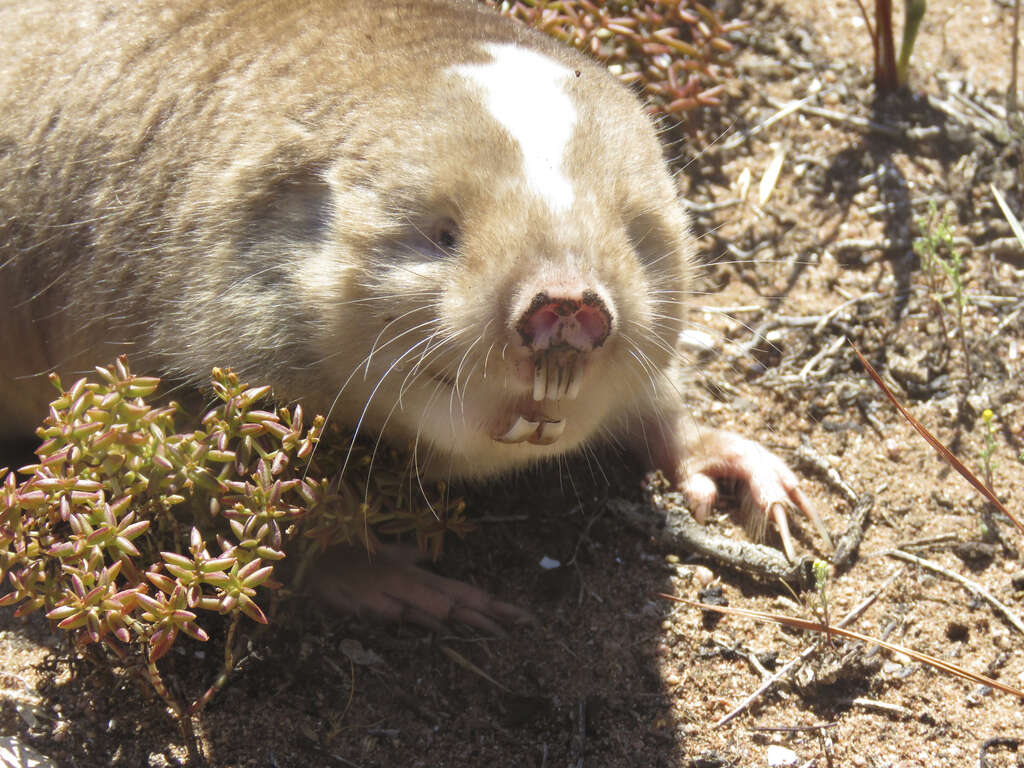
540 378
519 431
572 389
556 377
549 432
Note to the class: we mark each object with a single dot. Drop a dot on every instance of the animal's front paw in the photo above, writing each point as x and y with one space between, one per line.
773 491
389 585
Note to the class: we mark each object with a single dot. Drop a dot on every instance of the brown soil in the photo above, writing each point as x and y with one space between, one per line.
611 675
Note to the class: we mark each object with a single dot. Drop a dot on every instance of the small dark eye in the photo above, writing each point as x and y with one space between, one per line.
447 235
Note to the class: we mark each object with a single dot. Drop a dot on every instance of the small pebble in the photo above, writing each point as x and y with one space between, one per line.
357 654
893 449
779 757
978 402
890 668
703 575
785 603
1002 641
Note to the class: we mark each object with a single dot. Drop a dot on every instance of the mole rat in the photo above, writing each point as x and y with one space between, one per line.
416 216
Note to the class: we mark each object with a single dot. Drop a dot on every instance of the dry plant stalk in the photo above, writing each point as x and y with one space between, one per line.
890 73
833 629
941 449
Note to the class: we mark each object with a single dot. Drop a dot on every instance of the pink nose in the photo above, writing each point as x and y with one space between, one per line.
582 324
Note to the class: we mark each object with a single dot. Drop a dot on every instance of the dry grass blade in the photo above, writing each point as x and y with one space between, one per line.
784 671
1014 222
814 626
771 176
934 442
971 586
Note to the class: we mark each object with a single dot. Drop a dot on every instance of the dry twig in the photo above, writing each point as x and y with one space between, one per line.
971 586
793 664
837 629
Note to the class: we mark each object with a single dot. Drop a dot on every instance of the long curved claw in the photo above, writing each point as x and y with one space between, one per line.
772 488
805 505
390 586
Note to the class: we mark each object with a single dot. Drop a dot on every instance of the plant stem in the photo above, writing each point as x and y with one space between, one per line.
871 29
184 718
886 79
963 344
913 12
229 665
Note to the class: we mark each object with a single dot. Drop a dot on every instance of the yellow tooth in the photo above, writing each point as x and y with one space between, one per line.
540 378
549 432
572 389
519 431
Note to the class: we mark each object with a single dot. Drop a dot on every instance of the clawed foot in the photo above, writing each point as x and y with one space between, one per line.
772 488
389 585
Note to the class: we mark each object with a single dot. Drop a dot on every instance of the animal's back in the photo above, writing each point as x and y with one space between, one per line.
143 153
433 222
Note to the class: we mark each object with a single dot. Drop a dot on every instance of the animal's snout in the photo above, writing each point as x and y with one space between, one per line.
581 323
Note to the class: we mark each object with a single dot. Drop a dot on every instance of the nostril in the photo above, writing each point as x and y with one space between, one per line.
579 323
593 321
543 321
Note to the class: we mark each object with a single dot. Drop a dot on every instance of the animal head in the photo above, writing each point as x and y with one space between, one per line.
516 260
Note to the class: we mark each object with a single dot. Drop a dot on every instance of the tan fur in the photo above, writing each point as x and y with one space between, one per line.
250 183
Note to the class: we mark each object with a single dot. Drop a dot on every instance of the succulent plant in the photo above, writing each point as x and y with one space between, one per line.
127 532
672 51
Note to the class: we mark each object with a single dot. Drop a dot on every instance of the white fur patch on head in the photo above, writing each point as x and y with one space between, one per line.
526 93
